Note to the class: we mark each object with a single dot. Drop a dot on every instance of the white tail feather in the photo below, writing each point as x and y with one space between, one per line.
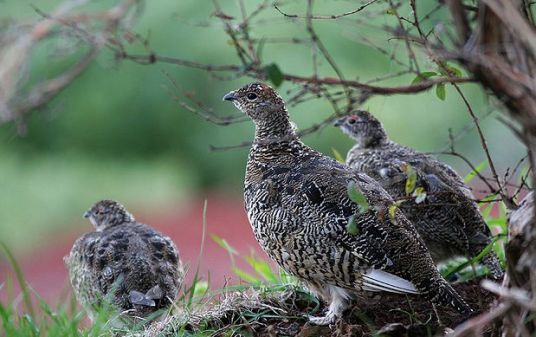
379 280
371 287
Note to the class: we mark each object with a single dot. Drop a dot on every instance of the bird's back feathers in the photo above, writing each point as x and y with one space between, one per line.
132 264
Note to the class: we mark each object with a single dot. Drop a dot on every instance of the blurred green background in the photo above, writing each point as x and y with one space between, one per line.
118 132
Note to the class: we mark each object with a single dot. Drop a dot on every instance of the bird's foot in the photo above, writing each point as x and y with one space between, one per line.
339 302
330 318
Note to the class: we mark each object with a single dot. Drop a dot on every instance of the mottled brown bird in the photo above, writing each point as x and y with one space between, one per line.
448 218
126 264
298 205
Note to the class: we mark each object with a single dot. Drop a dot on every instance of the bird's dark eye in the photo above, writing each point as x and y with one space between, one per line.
351 121
251 96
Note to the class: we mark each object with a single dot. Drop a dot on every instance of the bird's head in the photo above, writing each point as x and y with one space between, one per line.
363 127
108 213
259 101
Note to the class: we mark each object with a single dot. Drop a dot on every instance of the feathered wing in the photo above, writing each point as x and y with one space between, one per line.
313 211
388 251
379 280
446 174
324 201
452 190
375 159
452 224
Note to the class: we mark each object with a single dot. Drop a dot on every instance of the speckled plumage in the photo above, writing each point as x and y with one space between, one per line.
448 219
131 266
297 203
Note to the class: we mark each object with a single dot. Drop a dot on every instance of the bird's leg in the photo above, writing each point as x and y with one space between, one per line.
339 302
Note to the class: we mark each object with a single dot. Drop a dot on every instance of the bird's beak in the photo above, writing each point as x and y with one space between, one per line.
87 214
230 96
339 122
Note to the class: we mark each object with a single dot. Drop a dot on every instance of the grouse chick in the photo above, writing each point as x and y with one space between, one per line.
448 219
297 203
131 266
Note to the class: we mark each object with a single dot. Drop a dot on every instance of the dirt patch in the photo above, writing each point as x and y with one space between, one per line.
283 313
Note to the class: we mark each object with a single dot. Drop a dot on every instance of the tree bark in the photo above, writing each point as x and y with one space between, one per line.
500 51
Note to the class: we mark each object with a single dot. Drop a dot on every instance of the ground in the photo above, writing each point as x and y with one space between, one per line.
283 314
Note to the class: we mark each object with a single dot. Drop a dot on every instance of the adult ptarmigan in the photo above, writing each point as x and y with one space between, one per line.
128 264
298 205
448 218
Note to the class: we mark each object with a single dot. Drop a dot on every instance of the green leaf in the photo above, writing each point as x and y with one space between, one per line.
356 196
224 244
471 175
392 211
262 268
450 71
523 173
457 72
473 261
391 11
486 210
274 74
337 155
351 226
440 91
417 191
200 288
246 276
423 76
411 178
420 198
419 194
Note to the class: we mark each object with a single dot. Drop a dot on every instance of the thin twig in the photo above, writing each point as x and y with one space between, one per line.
325 17
506 199
474 326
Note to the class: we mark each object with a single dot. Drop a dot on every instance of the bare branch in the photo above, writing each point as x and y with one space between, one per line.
379 90
506 199
325 17
13 104
45 91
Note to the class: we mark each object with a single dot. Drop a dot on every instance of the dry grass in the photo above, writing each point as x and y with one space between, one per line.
282 312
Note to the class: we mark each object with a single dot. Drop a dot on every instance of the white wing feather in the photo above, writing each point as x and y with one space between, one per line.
379 280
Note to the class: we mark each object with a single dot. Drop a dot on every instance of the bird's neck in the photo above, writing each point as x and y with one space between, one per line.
275 142
376 140
277 129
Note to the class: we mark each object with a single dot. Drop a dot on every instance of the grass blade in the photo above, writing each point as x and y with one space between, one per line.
20 279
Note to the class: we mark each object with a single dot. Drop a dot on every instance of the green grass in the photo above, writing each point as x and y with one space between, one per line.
28 315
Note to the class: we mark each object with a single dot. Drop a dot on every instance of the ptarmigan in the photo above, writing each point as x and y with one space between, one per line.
298 205
447 219
125 263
